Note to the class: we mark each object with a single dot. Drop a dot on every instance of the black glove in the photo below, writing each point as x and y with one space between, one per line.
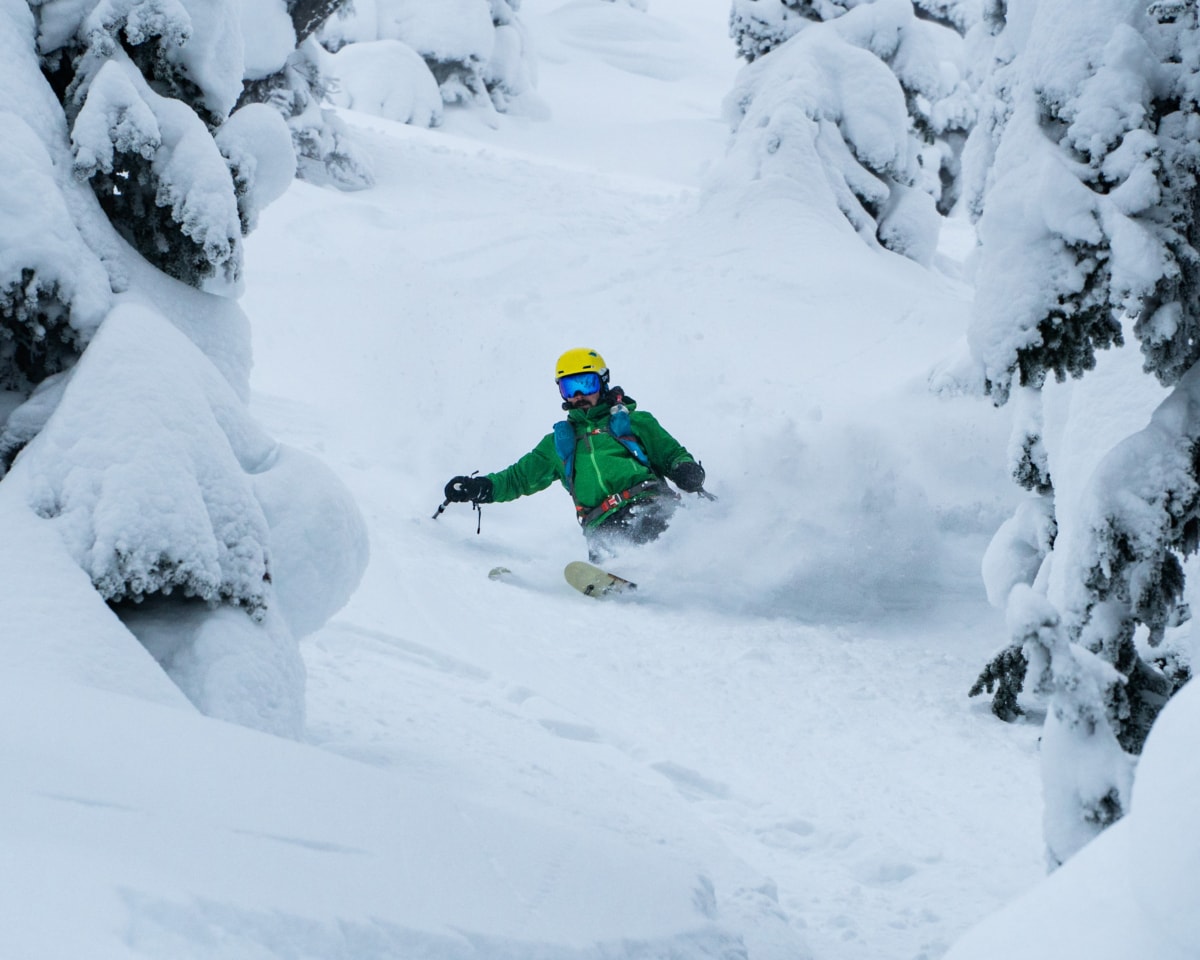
687 476
474 489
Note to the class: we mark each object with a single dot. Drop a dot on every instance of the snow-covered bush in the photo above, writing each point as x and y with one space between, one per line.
960 15
475 51
126 170
158 175
325 151
282 69
386 78
759 26
1087 220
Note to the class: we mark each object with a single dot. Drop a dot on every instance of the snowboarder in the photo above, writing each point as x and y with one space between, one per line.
613 459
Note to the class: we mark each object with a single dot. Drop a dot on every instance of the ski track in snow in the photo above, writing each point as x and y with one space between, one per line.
840 760
860 854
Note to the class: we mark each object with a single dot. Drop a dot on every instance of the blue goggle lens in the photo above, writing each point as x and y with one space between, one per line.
576 384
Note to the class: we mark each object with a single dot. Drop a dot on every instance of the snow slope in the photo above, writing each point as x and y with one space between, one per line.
769 751
792 679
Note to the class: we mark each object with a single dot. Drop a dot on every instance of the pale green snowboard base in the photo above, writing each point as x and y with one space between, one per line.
593 582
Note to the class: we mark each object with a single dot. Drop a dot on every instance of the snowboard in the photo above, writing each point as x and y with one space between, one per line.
591 581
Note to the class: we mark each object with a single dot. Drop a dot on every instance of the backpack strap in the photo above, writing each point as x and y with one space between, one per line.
621 427
564 446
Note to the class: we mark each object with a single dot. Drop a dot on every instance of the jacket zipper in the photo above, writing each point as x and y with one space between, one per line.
596 466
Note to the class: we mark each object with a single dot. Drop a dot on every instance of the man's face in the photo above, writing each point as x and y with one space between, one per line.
584 402
581 390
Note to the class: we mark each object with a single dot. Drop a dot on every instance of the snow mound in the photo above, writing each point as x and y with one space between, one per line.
319 544
228 665
1165 859
386 78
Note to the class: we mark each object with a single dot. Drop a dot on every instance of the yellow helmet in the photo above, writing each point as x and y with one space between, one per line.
580 360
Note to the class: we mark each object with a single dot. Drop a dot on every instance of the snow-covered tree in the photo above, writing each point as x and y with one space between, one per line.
829 103
1087 224
759 26
297 85
123 390
325 150
142 93
475 53
920 42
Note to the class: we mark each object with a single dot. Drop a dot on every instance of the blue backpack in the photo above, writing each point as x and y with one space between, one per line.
619 426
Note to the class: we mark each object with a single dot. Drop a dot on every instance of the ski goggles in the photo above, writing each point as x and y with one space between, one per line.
575 384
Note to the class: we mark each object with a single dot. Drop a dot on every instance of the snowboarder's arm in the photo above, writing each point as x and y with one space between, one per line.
667 455
533 472
665 452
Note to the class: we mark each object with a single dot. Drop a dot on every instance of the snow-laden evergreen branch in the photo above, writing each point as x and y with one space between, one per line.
122 391
1086 223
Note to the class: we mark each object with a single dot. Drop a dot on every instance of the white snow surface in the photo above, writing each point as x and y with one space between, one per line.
768 752
1132 891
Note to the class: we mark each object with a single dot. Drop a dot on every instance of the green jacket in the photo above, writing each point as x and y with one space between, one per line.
602 465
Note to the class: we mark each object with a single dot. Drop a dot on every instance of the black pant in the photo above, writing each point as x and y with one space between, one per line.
635 523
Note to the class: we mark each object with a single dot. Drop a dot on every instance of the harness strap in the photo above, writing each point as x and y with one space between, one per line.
647 487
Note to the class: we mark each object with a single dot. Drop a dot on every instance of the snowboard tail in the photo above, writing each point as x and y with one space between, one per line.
591 581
